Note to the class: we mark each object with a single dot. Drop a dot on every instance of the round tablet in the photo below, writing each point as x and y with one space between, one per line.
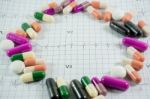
118 71
6 44
17 66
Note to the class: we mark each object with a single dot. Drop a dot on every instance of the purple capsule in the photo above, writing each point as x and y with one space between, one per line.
139 45
81 7
116 83
16 38
99 86
19 49
52 11
66 2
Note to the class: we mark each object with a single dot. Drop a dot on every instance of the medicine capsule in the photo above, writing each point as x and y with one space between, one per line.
32 76
66 2
21 33
17 66
142 25
16 38
134 75
43 17
118 71
6 44
135 54
119 28
134 30
78 89
117 14
137 44
34 68
23 56
134 63
50 5
69 8
34 61
52 11
35 25
63 89
99 97
94 12
27 28
98 5
127 17
81 7
107 15
99 86
52 88
19 49
91 90
116 83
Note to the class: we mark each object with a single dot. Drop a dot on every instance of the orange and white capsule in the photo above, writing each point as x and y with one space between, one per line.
34 68
134 75
146 29
35 25
127 17
98 5
69 8
107 15
135 54
137 65
52 4
21 33
34 61
94 12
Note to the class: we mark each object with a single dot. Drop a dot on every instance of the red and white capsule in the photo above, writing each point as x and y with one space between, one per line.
98 5
127 16
142 24
34 68
107 15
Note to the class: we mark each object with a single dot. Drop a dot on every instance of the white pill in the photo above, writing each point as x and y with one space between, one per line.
118 71
6 44
117 14
17 66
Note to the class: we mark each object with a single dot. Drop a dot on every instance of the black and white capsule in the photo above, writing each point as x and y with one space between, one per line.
78 89
52 88
134 30
119 28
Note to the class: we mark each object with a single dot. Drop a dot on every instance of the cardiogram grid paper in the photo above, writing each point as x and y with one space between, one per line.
73 46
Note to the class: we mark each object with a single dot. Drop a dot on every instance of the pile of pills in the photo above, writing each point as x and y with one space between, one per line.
30 68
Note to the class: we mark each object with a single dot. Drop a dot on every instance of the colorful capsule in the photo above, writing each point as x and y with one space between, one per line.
66 2
119 28
63 89
50 5
32 76
94 12
118 71
116 83
27 28
19 49
81 7
23 56
99 86
34 68
78 89
117 14
99 97
127 17
134 75
35 25
43 17
135 54
17 66
6 44
107 15
134 63
52 88
134 30
21 33
16 38
142 25
87 84
34 61
98 5
137 44
69 8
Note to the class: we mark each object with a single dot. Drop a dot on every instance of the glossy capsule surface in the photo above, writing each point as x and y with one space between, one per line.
34 61
35 25
52 11
69 8
19 49
52 88
78 89
139 45
116 83
98 5
34 68
21 33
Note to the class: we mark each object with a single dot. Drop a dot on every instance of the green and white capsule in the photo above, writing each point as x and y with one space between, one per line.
63 89
43 17
32 76
91 90
27 28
